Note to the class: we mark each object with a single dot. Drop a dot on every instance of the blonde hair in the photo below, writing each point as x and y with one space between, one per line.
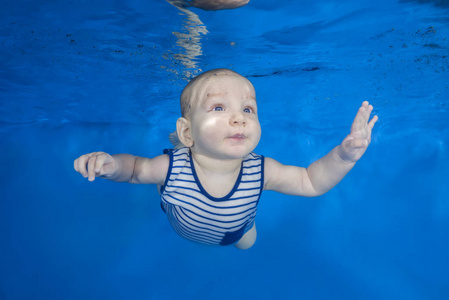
187 93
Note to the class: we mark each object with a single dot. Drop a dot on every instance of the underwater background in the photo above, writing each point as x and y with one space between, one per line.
83 76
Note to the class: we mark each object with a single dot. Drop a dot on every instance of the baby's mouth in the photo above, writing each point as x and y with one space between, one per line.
238 136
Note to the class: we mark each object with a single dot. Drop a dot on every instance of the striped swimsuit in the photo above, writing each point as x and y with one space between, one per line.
196 215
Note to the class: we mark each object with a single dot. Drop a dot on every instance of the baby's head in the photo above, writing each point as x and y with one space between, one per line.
219 105
193 92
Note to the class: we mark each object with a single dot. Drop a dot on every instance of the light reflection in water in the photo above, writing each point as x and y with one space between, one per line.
189 40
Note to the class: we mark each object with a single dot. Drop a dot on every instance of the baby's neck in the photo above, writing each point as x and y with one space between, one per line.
217 177
216 166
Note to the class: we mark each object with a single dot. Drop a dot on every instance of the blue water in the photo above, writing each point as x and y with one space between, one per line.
82 76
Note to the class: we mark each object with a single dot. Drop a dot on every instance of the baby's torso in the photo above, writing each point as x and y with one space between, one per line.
197 215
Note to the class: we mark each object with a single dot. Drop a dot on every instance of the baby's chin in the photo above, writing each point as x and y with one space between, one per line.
224 155
238 152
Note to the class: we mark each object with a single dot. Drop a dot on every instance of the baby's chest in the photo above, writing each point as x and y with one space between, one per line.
218 188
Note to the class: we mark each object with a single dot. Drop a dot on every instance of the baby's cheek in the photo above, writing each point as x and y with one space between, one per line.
210 128
210 123
255 128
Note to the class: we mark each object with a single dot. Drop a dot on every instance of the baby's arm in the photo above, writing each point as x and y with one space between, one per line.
325 173
123 167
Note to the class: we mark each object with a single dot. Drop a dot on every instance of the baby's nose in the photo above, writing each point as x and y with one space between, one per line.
238 119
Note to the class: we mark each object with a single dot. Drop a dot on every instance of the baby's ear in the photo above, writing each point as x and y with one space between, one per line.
184 133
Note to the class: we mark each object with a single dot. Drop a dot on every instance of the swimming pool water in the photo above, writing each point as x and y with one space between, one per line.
82 76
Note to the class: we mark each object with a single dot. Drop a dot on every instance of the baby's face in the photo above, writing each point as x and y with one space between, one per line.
223 117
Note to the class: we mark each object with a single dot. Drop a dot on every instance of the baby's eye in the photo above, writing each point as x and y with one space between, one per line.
247 110
218 108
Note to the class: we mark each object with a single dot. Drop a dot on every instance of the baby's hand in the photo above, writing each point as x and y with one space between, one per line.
355 144
95 164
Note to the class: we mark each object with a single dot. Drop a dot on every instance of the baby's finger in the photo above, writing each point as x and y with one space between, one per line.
372 122
369 110
101 159
80 164
360 119
91 167
75 165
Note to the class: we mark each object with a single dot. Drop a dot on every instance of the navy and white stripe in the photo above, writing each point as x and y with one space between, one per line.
196 215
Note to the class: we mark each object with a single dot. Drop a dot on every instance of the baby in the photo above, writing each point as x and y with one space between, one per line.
212 181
